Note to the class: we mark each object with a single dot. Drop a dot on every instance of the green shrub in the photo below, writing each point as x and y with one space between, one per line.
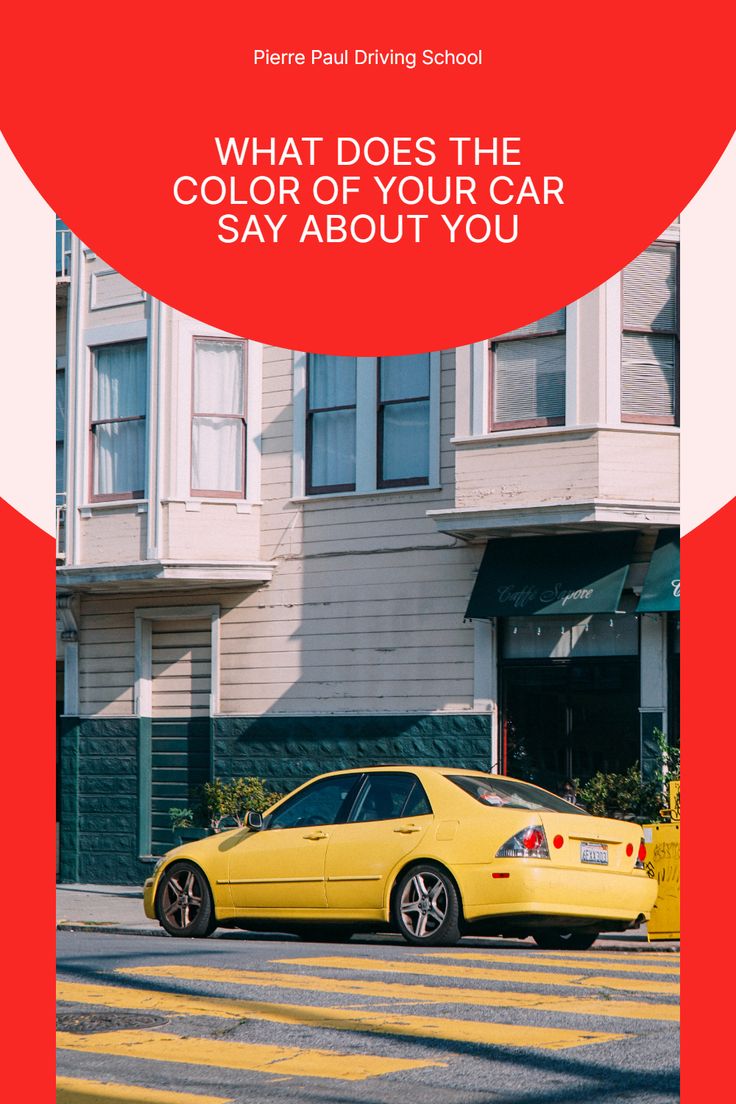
622 796
181 818
219 801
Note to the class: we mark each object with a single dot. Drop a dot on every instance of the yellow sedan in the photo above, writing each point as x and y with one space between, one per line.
432 852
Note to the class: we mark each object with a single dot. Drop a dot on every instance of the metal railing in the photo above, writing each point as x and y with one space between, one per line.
63 251
60 526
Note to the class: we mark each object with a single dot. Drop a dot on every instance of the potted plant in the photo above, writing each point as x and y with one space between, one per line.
183 827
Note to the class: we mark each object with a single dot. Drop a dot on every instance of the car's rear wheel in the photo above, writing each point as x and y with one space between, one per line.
184 905
557 939
427 907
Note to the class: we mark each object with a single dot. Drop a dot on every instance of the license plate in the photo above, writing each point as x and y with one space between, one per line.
596 853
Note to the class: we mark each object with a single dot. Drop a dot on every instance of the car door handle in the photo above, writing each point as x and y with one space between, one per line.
407 829
316 836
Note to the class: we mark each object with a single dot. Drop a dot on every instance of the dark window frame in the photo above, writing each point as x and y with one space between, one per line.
327 488
522 423
654 419
200 492
410 794
115 496
61 438
416 481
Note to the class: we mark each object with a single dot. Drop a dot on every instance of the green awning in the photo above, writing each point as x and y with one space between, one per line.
531 576
661 590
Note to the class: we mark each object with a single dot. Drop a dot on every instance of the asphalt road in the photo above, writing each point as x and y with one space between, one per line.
246 1018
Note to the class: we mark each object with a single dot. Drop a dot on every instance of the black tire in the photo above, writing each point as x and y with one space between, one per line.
427 907
558 939
184 906
324 933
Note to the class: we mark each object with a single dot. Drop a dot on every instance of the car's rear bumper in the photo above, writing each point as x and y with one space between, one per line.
532 889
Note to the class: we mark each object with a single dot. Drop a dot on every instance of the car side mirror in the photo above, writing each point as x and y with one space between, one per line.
254 821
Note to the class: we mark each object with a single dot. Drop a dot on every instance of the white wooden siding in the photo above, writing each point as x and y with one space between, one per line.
364 613
181 666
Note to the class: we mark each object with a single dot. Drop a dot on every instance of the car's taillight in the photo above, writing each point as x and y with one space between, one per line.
639 864
529 843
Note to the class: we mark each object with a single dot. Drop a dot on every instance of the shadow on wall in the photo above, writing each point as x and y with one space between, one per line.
378 666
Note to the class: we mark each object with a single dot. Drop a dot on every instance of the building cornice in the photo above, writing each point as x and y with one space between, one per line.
164 573
478 523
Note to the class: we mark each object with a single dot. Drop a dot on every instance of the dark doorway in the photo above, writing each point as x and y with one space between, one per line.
569 719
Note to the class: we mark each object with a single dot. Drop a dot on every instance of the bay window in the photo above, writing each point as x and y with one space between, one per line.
118 422
649 352
528 375
218 418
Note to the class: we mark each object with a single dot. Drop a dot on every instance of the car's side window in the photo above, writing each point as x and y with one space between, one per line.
388 796
321 803
417 803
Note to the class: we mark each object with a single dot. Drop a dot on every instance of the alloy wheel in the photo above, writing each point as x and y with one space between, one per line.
424 903
181 899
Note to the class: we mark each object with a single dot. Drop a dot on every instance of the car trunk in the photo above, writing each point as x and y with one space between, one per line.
590 842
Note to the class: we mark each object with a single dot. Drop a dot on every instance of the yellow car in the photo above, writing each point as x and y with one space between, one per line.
432 852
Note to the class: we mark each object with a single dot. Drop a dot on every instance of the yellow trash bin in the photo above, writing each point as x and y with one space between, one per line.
663 863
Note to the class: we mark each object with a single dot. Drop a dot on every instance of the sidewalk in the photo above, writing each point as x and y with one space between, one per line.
119 910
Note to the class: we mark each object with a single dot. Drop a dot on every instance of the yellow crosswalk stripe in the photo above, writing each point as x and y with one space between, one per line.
160 1046
422 994
619 956
545 959
339 1019
477 973
77 1090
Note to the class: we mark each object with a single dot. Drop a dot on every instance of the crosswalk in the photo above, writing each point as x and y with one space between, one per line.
370 1011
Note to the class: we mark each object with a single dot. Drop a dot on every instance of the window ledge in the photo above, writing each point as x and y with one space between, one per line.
194 505
140 505
365 494
561 431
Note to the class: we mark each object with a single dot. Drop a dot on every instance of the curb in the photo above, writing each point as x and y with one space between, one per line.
100 927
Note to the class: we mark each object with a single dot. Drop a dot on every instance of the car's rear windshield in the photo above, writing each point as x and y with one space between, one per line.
493 791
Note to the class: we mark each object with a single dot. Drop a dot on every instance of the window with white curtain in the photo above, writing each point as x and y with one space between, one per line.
118 424
219 418
649 348
403 420
331 423
528 375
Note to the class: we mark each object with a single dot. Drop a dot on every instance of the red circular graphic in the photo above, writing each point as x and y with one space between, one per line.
106 108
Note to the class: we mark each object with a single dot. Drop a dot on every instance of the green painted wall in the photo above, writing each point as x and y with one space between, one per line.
288 750
105 785
99 802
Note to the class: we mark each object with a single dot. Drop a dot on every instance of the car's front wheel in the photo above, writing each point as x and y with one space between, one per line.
557 939
427 907
184 905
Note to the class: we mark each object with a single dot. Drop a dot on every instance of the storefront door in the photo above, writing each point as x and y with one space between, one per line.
569 718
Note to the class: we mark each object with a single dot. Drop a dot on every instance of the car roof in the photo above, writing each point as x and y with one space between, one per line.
412 769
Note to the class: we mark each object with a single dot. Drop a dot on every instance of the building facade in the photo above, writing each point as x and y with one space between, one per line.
277 563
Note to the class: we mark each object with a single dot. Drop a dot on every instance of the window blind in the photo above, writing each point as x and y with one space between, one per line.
649 342
529 373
